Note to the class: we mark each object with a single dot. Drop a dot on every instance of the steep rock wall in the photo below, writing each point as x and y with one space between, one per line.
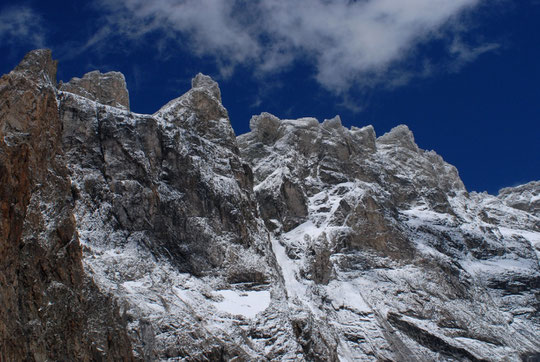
50 309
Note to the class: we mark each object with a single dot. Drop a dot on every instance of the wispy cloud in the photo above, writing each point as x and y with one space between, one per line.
362 42
21 24
466 53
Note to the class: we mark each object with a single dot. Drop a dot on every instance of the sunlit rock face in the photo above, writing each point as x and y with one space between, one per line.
166 211
108 88
300 240
386 247
524 197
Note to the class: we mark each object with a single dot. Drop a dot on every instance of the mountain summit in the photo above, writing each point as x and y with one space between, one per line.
127 236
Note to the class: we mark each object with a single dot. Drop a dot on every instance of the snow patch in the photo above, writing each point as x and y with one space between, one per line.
247 304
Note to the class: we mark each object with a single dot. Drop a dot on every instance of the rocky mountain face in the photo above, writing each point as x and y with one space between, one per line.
166 237
525 197
51 309
381 239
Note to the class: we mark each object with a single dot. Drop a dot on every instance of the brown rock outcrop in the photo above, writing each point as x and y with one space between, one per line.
50 309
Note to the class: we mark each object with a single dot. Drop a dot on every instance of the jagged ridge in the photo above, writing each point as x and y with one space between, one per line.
299 240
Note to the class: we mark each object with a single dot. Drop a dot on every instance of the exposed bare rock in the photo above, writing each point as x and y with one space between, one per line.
400 136
205 82
524 197
265 127
105 88
39 66
50 309
299 241
319 268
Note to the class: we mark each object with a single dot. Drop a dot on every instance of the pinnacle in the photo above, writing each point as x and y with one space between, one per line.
38 63
401 135
332 123
106 88
206 82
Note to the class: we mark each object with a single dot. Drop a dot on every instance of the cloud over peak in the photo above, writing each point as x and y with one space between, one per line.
20 24
347 42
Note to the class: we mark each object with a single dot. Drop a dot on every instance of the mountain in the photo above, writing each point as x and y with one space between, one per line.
128 236
51 308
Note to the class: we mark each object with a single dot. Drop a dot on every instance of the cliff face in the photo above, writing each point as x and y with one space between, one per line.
164 200
50 308
297 241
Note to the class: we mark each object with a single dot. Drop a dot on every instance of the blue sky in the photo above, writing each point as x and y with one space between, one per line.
464 75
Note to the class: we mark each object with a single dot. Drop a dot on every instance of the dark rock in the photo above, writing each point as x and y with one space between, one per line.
51 310
431 341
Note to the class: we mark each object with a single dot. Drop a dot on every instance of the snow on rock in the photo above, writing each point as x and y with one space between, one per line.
393 256
524 197
297 241
247 304
348 296
165 212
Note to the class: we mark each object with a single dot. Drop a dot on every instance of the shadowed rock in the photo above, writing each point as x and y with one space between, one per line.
51 310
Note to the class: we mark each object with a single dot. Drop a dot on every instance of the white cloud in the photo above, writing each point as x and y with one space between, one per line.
348 42
21 24
465 53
